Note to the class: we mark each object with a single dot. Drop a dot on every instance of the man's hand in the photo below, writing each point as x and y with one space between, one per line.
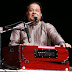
65 45
26 44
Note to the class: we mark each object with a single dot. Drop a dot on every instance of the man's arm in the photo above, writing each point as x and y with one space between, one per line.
15 38
56 37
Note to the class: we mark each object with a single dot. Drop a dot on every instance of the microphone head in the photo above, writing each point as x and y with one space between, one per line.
36 18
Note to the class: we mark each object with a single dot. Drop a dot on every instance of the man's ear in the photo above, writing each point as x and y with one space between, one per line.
41 14
26 13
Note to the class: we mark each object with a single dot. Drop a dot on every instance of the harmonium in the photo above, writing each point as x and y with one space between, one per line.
35 57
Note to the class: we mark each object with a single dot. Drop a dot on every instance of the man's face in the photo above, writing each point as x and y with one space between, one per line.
34 9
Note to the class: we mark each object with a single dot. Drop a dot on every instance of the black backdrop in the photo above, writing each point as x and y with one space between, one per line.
55 12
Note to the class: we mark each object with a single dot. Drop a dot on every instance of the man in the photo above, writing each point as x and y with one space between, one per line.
41 33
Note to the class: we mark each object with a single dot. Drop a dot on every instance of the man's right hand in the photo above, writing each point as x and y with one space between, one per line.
26 44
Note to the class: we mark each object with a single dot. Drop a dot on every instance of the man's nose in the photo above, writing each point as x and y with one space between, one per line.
34 11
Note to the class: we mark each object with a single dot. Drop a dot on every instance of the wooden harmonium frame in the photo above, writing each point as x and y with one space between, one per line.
36 57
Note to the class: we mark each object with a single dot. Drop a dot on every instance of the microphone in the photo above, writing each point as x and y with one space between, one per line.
31 22
35 18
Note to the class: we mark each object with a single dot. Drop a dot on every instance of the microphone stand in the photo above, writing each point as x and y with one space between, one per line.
8 26
28 23
22 29
0 48
0 52
1 31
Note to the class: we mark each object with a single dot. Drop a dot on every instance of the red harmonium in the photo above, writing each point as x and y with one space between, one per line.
36 57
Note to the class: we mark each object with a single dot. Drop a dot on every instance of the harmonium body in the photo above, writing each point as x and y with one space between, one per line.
36 57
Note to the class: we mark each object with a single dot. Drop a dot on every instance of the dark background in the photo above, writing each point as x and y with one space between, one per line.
58 13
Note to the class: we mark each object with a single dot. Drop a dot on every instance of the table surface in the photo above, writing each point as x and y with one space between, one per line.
6 70
70 68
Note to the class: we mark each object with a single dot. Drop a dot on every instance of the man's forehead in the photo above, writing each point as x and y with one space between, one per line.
34 5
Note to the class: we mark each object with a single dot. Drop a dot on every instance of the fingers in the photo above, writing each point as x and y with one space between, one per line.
26 44
65 45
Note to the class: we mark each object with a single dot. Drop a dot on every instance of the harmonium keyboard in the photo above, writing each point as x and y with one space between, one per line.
36 57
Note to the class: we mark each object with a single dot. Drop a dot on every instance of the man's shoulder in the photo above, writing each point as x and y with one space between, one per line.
46 24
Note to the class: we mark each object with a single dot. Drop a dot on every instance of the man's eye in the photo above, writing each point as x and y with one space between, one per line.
37 10
31 10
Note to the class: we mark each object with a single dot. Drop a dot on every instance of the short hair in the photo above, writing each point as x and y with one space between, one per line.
33 3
